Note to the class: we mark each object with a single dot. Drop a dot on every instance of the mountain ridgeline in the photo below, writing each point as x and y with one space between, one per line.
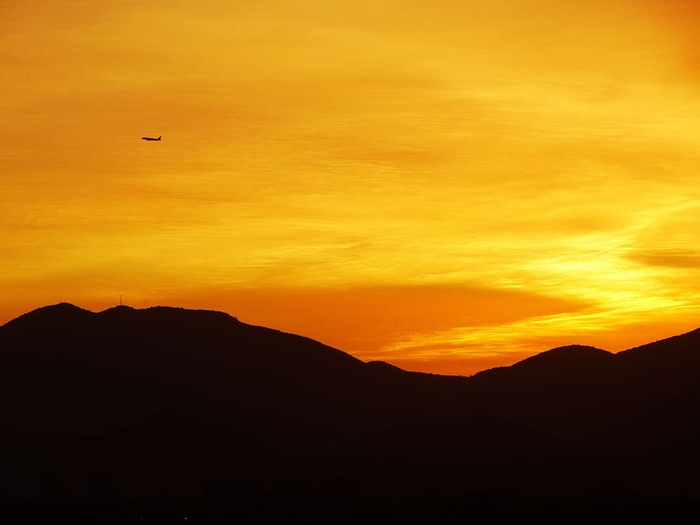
132 415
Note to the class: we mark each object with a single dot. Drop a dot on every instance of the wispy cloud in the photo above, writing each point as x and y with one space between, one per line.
543 148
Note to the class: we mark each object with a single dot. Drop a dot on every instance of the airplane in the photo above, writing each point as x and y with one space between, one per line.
150 138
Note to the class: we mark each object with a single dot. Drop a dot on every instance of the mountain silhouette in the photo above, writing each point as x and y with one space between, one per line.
164 412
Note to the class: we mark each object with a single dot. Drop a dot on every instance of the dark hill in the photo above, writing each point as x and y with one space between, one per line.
167 410
574 358
82 373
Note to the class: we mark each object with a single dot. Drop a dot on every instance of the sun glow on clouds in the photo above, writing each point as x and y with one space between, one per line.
377 175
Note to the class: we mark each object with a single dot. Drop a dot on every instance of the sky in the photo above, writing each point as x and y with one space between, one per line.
448 186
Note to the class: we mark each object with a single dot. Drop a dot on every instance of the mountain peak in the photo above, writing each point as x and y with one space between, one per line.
53 314
120 307
58 308
565 357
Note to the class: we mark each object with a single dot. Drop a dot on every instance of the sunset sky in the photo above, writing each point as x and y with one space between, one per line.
446 185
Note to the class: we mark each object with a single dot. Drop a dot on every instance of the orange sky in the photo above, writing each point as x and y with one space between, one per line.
447 185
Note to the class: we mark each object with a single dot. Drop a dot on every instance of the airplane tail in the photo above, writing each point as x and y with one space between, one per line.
159 137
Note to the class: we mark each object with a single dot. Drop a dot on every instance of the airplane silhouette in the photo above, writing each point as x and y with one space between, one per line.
150 138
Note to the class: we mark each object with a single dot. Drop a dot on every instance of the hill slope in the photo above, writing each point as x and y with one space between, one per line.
127 406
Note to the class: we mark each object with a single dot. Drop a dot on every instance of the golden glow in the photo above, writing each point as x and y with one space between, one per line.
445 185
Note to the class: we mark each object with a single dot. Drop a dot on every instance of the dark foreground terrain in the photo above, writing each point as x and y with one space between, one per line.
166 415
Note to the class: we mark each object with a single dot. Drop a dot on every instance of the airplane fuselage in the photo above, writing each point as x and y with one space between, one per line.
150 138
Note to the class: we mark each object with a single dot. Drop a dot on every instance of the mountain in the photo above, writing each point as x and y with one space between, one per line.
166 411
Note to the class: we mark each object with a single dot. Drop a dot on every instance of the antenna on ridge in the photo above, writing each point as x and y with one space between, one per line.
120 300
